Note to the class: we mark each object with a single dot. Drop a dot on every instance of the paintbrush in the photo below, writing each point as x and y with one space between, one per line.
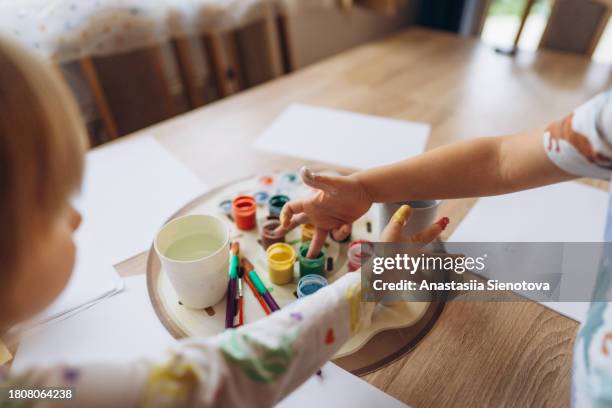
261 288
263 304
230 299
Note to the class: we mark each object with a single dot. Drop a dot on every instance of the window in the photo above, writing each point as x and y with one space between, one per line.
503 20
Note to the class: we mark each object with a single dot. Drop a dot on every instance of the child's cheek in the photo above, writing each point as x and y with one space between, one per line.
47 272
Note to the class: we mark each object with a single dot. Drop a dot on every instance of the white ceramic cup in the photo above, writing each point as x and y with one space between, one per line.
423 214
201 282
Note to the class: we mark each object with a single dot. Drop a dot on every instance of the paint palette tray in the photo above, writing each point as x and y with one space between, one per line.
397 329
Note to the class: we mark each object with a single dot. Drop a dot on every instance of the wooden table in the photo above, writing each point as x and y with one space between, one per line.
479 354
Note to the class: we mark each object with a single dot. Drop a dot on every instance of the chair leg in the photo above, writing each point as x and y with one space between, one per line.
214 51
158 67
91 76
184 56
284 36
235 62
526 12
603 23
273 43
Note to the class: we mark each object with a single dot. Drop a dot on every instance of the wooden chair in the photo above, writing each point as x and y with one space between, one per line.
576 25
229 31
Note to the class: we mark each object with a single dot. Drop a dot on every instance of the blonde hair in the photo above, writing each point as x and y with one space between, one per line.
42 145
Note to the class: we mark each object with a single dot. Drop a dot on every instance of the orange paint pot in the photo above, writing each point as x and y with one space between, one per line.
244 210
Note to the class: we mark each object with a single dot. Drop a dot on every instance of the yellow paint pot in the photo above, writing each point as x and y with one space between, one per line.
281 258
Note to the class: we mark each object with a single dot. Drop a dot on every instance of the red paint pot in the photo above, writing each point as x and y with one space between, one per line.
358 251
244 210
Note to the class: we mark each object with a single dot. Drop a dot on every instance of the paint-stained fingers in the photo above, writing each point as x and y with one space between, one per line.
289 210
430 233
393 230
319 181
318 240
342 233
296 220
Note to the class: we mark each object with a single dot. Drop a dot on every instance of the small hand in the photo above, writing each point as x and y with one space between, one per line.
338 201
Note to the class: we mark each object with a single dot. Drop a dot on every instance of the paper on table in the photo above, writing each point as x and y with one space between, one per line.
339 389
564 212
343 138
121 328
130 188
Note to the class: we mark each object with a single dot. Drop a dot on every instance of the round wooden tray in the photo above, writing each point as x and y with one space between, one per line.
399 328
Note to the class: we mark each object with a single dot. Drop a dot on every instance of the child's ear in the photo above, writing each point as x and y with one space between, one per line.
74 218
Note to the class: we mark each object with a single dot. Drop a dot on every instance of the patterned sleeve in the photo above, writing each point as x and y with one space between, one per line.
252 366
581 143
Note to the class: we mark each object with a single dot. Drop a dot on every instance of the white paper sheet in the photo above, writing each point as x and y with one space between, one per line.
343 138
130 189
564 212
121 328
339 389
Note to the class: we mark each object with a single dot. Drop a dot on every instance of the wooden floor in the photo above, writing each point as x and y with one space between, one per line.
478 354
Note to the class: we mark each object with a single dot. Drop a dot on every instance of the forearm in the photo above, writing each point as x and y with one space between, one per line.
478 167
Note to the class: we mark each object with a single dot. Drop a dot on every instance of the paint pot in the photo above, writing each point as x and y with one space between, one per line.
290 178
276 204
309 284
268 237
266 180
281 258
307 232
358 251
261 197
244 210
309 266
226 206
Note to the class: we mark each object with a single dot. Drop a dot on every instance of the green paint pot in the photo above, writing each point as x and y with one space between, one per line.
310 266
276 204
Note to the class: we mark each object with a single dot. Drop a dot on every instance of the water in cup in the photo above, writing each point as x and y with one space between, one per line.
193 247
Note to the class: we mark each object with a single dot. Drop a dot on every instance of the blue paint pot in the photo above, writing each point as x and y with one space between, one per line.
309 284
226 206
261 197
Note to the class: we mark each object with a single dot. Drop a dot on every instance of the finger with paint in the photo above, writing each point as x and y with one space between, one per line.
341 234
430 233
291 209
393 230
318 240
320 181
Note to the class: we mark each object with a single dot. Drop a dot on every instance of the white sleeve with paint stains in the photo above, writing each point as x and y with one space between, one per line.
581 143
253 366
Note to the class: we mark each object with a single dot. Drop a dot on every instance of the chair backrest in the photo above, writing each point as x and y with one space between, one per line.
576 25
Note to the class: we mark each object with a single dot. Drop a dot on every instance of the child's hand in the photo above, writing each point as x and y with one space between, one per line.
339 201
393 230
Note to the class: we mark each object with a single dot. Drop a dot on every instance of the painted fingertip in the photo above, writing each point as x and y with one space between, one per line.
283 219
401 215
443 222
306 173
